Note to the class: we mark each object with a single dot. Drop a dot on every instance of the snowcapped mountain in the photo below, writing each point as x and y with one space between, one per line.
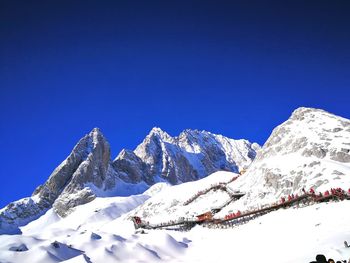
310 150
88 172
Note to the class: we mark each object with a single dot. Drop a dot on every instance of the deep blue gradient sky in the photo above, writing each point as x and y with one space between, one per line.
237 68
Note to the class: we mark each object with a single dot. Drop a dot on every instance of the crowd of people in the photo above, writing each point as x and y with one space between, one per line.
334 191
337 192
233 215
322 259
289 198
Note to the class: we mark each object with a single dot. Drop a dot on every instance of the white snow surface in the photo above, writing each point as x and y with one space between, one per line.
101 232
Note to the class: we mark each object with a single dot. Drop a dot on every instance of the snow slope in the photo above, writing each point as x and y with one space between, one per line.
169 204
283 236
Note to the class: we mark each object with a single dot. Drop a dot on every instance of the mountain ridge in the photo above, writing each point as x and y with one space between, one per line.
89 171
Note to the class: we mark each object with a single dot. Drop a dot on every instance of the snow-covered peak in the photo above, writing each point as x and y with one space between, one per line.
194 133
97 138
309 150
310 132
95 131
302 112
124 153
241 152
159 133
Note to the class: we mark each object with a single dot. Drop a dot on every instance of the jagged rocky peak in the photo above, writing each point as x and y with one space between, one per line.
309 150
125 153
72 183
155 136
195 137
152 146
158 132
88 162
239 152
89 176
192 155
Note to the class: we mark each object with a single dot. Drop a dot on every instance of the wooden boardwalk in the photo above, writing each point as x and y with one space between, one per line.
240 217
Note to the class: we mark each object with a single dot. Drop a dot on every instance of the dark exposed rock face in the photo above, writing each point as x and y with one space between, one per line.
130 167
88 171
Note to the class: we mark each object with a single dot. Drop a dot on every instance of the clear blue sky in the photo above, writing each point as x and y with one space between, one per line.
237 68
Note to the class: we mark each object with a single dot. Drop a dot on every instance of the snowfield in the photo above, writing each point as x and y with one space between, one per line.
287 235
101 231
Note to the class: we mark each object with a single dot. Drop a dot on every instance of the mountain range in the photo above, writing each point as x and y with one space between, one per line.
309 150
89 172
82 213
